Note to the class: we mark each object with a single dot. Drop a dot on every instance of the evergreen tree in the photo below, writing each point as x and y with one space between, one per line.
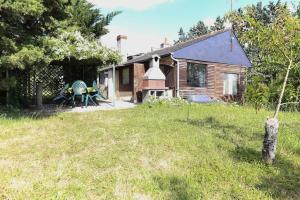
28 29
218 24
298 10
181 36
22 27
88 19
198 30
38 33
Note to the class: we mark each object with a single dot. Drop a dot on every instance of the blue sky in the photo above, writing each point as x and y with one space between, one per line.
148 22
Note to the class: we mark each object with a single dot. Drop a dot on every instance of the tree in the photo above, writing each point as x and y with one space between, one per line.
88 19
298 10
218 24
182 36
278 45
22 24
198 30
273 73
39 33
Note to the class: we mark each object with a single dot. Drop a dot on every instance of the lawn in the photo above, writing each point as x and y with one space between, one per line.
148 153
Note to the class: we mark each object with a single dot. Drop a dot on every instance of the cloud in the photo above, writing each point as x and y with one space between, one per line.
209 21
130 4
139 41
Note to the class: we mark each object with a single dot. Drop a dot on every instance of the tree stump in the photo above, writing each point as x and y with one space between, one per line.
270 141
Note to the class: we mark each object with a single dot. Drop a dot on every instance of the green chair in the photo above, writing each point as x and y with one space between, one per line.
62 95
95 94
79 90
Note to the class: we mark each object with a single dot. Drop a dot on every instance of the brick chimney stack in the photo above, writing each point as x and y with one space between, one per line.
120 38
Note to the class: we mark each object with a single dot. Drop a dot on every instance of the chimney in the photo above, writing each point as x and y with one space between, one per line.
119 45
165 44
154 72
154 78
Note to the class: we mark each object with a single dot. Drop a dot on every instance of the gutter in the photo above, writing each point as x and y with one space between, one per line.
177 75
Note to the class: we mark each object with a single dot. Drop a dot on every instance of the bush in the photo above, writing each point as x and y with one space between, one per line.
155 101
257 93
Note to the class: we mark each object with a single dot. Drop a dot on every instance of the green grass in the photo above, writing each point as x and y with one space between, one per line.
148 153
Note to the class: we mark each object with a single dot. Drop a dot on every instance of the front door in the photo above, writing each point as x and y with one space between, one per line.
230 86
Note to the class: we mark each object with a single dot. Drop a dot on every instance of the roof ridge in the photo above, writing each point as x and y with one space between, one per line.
210 34
213 33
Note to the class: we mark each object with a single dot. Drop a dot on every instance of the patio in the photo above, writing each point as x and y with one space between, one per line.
103 106
54 109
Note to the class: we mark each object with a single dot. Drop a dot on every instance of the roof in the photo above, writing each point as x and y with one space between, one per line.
221 48
211 48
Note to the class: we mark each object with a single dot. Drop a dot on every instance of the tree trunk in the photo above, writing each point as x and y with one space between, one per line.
270 141
271 127
283 90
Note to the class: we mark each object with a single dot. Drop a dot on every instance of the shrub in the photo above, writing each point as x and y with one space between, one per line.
156 101
257 93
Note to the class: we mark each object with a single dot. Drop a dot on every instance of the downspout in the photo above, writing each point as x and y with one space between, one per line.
177 75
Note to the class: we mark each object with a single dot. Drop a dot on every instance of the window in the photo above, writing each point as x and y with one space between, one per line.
125 76
196 75
230 84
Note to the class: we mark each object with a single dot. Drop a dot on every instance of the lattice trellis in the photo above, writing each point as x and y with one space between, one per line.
51 79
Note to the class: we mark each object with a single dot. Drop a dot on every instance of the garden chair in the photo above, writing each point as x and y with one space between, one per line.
96 94
62 94
79 90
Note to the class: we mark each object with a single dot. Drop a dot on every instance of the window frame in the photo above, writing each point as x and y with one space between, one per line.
199 85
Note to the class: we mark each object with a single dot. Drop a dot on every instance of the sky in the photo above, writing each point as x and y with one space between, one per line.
147 23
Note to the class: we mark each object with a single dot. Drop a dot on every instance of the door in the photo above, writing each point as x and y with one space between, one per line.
230 86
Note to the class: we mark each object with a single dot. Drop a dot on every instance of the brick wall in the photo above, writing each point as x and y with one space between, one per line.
214 82
214 76
138 75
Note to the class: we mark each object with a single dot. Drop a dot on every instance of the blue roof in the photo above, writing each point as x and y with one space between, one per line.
215 49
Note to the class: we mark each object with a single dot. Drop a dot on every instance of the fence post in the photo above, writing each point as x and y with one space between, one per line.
7 92
39 95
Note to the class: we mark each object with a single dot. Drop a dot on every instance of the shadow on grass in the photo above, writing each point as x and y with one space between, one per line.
282 180
244 154
298 151
177 188
14 113
229 132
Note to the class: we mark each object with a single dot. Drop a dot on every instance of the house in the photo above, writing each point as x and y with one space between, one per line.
213 65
